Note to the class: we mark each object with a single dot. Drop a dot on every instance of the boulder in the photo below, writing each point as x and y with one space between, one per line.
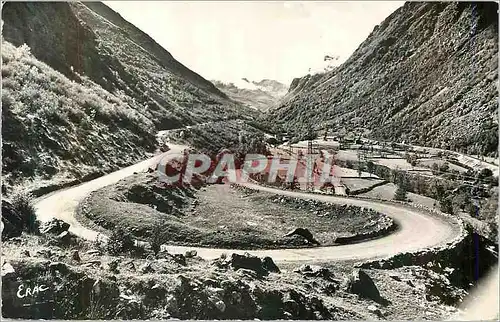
66 238
55 227
247 261
291 304
179 259
303 232
220 305
438 288
92 263
60 267
129 307
247 273
249 265
210 282
147 268
362 284
93 252
130 265
191 253
269 265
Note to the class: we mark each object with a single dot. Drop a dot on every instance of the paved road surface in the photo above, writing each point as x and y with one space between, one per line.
417 229
62 204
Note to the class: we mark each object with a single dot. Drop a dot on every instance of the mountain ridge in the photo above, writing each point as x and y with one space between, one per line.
151 44
407 81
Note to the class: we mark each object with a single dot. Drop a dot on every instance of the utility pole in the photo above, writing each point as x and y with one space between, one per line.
309 185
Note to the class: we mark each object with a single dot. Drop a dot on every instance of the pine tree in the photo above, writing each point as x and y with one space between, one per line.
400 193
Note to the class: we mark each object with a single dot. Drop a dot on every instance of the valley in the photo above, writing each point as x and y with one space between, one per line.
95 113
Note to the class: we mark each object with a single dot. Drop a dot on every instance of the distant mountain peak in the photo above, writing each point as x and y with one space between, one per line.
260 95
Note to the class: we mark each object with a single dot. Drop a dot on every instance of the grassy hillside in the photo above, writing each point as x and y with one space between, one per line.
95 41
52 126
85 91
427 75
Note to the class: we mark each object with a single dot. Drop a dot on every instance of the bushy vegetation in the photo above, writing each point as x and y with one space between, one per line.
120 241
235 136
400 193
96 101
23 205
156 239
49 123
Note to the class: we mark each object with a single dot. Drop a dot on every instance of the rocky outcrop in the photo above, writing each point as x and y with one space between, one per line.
315 271
426 75
12 222
467 256
58 290
48 290
261 267
228 299
54 226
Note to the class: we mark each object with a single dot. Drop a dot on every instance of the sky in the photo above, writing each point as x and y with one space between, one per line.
280 40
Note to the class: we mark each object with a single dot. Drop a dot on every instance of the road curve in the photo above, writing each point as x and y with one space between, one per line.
62 204
417 229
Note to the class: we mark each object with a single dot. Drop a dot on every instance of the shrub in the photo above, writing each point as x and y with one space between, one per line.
370 167
484 174
156 239
435 168
99 243
444 167
273 141
446 205
22 202
139 251
119 242
400 194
